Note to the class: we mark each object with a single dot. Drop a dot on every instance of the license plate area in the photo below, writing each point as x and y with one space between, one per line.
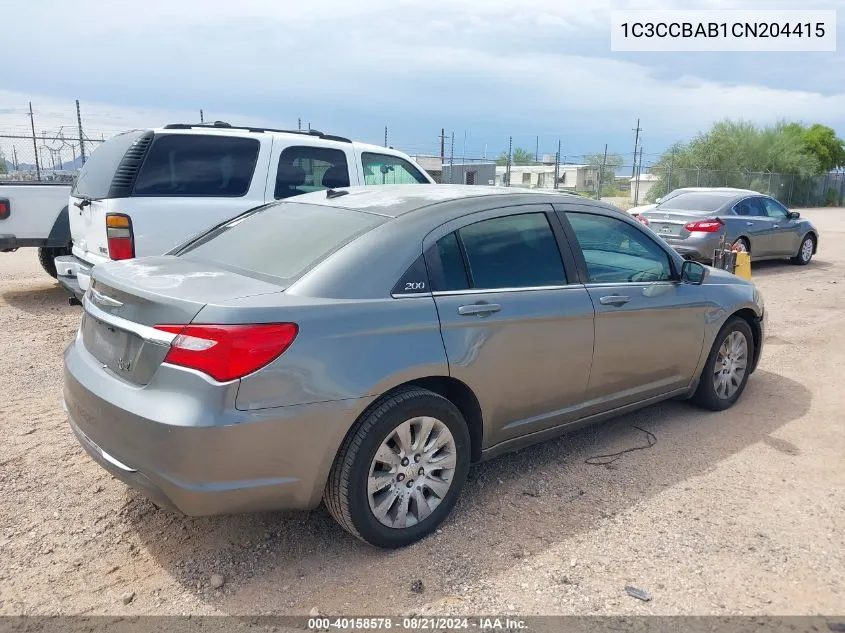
115 348
667 229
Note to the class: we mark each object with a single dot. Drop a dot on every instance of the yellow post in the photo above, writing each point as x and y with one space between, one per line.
743 265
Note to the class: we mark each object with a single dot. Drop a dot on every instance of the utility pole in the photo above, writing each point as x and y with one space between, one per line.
385 136
671 165
34 142
15 157
639 168
537 150
557 164
508 168
452 158
202 116
442 145
601 172
79 125
636 131
299 124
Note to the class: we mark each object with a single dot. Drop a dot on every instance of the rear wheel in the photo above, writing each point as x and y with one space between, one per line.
741 245
400 470
726 372
805 251
46 255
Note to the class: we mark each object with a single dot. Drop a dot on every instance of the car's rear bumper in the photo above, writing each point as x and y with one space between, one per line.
697 247
192 451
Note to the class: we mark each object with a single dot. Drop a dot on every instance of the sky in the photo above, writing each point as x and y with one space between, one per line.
484 70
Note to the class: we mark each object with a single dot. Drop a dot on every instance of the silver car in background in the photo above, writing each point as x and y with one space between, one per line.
694 222
362 347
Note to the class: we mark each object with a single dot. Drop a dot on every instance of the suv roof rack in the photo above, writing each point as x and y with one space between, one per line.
224 125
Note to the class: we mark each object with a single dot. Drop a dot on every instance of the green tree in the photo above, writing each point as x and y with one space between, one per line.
3 167
605 170
821 142
738 154
520 157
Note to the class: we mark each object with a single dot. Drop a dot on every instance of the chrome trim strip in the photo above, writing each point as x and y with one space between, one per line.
410 295
105 300
144 331
478 291
111 460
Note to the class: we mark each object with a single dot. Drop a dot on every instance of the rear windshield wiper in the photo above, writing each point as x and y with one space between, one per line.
86 201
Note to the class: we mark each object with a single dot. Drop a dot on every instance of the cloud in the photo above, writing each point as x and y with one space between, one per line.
495 66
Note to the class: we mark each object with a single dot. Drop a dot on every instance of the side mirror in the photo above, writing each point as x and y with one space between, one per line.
693 273
793 215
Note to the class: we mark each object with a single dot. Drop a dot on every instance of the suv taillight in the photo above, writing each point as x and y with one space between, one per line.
705 226
119 235
228 352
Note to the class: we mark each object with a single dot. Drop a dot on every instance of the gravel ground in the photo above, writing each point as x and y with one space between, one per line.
729 513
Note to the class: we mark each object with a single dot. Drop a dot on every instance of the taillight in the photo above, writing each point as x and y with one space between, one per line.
227 352
641 220
705 226
119 235
5 208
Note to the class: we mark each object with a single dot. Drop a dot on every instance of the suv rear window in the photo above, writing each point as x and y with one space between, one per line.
95 177
281 240
198 165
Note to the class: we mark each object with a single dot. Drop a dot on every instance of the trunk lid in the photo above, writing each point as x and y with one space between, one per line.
127 299
668 223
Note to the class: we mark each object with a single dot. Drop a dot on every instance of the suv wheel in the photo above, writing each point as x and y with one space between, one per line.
726 371
400 470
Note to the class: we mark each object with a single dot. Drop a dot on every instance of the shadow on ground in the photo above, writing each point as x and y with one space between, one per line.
778 267
44 296
515 505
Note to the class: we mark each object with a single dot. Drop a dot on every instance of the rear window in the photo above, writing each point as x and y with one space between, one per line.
95 177
692 201
198 165
282 240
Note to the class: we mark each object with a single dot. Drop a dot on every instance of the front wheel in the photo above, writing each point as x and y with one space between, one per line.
400 470
726 372
805 252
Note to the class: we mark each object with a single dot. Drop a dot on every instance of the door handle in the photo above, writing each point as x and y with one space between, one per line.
749 224
777 226
614 300
479 309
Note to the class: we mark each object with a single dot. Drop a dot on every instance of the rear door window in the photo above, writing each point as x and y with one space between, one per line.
514 251
198 165
303 169
283 240
383 169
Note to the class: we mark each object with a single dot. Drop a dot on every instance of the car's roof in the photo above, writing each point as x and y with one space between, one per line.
395 200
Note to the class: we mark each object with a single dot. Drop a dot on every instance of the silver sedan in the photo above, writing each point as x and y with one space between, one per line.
363 347
694 222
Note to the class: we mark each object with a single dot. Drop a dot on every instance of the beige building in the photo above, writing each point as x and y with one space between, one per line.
578 177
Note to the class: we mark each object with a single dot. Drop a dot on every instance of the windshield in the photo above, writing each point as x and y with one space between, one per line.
281 240
695 201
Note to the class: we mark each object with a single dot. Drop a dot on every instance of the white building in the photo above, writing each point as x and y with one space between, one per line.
647 181
578 177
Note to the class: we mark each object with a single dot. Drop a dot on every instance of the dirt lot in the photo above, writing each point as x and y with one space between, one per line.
732 513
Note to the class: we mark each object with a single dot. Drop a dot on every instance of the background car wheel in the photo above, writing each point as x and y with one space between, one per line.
47 254
742 245
805 251
400 470
726 371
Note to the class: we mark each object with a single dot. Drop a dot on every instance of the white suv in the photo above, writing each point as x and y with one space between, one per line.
146 191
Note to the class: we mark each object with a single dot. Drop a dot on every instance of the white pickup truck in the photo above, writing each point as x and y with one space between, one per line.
34 215
147 191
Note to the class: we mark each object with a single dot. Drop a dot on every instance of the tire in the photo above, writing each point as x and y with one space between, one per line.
805 253
743 244
707 395
347 495
46 255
